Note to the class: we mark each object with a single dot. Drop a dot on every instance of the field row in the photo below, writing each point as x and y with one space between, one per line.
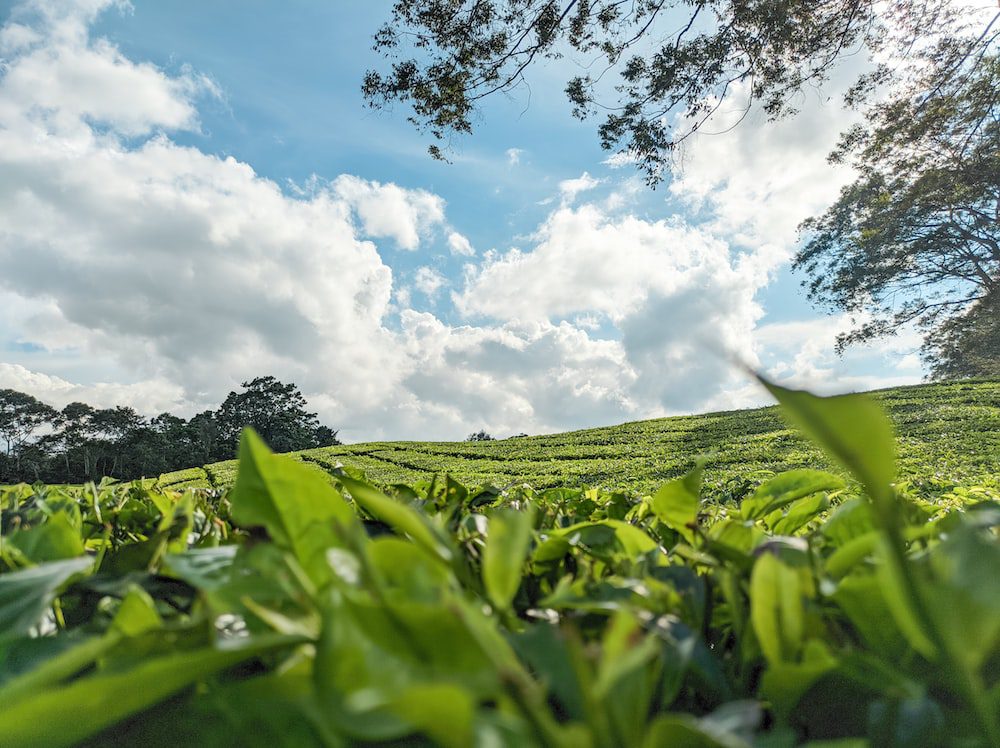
948 430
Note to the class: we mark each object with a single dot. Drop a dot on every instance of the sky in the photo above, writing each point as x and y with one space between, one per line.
193 194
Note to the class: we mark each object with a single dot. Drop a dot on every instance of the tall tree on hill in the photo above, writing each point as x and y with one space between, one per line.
276 411
913 240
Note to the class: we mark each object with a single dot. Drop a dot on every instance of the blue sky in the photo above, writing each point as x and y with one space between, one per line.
194 194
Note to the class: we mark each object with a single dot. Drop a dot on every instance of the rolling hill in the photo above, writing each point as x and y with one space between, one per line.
948 436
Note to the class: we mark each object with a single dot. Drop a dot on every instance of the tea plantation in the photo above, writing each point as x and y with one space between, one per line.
948 436
832 579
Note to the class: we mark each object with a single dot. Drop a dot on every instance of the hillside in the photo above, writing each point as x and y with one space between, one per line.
949 429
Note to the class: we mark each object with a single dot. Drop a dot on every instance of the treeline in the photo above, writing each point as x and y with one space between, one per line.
81 443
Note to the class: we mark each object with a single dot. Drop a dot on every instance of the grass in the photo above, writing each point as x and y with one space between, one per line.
948 436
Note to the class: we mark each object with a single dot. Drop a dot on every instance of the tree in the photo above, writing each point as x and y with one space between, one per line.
276 411
20 415
479 436
646 61
915 239
967 345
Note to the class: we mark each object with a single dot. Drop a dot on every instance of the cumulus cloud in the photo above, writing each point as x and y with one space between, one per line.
513 156
801 354
192 272
387 210
186 267
459 245
570 188
153 396
428 281
678 298
757 180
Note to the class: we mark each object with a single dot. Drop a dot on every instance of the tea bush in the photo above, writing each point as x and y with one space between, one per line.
312 607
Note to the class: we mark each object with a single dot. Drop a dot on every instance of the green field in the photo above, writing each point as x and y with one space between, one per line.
948 436
833 586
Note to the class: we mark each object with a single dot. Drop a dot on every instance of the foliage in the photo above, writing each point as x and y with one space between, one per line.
303 608
915 239
646 61
274 410
85 443
479 436
20 415
947 435
967 345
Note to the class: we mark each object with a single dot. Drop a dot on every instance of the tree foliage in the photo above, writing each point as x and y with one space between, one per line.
82 443
915 239
967 345
644 63
480 436
276 411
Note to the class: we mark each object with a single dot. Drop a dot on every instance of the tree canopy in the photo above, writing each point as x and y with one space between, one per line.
276 411
643 63
82 443
913 240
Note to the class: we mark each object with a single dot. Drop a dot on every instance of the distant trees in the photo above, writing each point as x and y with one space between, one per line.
479 436
81 443
276 412
20 415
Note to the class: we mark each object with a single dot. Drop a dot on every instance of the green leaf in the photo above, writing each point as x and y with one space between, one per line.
785 488
507 544
785 683
299 509
26 595
801 513
53 540
442 711
776 609
400 517
851 428
676 503
137 613
67 715
893 581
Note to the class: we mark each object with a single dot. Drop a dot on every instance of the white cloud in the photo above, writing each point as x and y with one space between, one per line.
570 188
183 266
620 160
387 210
459 245
513 156
428 281
677 297
154 396
801 354
757 180
191 272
